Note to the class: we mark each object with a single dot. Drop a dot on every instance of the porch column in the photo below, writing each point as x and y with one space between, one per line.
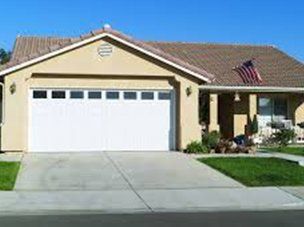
213 113
253 105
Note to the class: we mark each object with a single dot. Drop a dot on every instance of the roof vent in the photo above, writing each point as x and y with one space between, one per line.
106 26
105 50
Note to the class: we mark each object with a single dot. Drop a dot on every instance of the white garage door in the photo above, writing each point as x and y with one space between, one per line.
98 120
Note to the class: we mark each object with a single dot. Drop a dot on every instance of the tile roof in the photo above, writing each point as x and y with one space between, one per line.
276 67
27 45
215 61
29 48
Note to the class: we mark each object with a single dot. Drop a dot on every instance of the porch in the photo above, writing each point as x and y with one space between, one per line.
232 110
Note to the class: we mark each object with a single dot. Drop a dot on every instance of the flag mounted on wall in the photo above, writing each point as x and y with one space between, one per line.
248 73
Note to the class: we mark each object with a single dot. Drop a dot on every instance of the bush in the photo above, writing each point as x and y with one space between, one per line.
284 136
196 147
211 139
254 125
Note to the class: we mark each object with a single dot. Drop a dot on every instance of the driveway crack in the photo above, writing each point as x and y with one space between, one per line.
124 176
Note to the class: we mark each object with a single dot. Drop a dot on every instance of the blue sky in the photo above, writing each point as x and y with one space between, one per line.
275 22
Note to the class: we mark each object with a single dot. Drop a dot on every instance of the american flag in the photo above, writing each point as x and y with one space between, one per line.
248 73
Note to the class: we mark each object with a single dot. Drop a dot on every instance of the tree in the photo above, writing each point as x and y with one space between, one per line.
5 56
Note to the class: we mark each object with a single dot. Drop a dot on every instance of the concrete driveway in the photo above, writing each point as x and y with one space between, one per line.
116 171
125 182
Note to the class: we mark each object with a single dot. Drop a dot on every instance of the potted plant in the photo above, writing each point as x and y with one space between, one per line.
251 146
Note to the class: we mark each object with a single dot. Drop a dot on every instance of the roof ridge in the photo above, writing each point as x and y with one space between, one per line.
44 37
211 43
153 41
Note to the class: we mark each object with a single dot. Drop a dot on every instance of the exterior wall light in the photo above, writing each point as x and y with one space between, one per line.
189 91
13 88
237 97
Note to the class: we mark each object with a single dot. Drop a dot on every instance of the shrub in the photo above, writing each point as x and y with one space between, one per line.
196 147
211 139
284 136
254 125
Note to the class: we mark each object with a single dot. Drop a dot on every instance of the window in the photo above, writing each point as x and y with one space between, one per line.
39 94
130 95
279 109
58 94
76 94
164 96
265 106
147 95
94 94
272 110
112 95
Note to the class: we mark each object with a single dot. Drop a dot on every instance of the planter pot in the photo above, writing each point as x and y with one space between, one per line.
252 149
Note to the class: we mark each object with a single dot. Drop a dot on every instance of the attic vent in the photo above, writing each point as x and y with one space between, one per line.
105 50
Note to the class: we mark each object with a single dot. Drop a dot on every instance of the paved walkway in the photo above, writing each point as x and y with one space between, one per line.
261 154
290 157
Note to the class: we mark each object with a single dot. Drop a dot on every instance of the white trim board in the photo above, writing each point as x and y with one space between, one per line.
253 89
95 38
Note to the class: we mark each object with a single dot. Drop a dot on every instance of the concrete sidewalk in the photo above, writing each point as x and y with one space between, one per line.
289 157
127 201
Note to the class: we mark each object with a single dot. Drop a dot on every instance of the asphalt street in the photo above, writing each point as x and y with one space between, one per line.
229 219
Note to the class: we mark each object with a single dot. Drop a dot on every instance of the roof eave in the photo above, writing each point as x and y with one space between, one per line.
257 89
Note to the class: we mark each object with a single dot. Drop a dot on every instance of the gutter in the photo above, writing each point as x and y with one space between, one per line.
258 89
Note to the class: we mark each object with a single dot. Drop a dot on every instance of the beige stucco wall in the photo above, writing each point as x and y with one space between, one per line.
84 68
296 108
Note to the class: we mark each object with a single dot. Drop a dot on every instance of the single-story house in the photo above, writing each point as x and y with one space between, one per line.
107 91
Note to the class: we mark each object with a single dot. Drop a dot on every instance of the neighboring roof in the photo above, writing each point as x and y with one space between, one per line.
213 61
30 50
26 46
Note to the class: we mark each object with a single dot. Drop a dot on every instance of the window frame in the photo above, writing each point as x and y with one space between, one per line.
94 92
44 91
60 91
128 93
272 108
112 92
77 97
147 92
160 93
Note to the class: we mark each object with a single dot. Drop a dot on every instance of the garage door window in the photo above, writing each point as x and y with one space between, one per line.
76 94
94 95
112 95
40 94
58 94
128 95
147 95
164 95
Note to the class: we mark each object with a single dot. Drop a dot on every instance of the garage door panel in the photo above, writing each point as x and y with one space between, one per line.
101 124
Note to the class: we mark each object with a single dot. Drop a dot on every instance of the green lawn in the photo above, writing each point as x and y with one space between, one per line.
259 171
8 174
287 150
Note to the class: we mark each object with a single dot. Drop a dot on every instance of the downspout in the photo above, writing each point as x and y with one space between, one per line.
2 113
3 102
